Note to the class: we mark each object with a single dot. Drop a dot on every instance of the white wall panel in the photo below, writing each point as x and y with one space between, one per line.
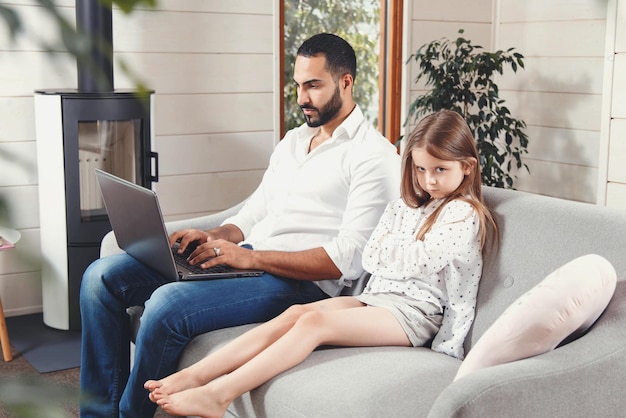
36 2
555 75
230 6
612 179
616 195
426 31
20 276
617 151
565 181
561 145
172 73
24 71
557 110
21 293
143 31
38 26
579 38
551 10
201 113
25 257
452 10
16 119
214 153
205 193
620 27
22 204
618 104
18 164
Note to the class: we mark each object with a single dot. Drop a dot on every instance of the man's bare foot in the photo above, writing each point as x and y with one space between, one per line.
198 401
179 381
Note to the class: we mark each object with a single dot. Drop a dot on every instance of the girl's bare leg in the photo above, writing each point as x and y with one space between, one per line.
240 350
355 325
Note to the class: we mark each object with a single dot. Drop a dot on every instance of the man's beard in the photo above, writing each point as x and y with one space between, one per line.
326 113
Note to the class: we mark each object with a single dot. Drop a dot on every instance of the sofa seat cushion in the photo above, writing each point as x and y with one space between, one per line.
341 382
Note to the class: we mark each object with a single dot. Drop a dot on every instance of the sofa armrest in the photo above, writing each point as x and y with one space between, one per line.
109 244
582 378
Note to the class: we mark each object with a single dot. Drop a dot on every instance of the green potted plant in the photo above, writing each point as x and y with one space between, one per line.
460 77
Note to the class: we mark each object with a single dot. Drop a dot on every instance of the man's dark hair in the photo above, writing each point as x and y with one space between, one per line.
340 56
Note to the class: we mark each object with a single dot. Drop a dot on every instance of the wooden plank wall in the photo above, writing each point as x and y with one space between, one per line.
559 92
615 181
213 72
213 67
427 21
24 67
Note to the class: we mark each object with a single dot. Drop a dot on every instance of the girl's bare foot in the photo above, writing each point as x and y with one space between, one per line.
198 401
179 381
156 394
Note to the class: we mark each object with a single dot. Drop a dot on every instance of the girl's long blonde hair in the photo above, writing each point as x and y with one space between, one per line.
446 136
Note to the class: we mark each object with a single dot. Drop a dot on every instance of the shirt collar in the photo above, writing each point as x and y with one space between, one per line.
351 124
348 127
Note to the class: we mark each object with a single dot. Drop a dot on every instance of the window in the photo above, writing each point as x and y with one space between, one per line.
374 29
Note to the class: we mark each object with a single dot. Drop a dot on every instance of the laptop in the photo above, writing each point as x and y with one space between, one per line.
137 221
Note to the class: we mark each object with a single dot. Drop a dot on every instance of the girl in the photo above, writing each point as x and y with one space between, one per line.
425 259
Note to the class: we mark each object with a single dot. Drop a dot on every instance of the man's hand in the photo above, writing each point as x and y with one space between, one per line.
221 251
186 237
313 264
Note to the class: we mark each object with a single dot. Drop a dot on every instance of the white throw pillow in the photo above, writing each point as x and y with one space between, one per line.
566 303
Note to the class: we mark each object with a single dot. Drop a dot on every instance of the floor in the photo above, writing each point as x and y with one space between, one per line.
56 390
53 392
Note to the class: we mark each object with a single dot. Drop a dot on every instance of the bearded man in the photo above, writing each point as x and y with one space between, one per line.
326 186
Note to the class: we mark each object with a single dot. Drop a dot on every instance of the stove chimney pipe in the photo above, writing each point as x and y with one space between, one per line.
95 73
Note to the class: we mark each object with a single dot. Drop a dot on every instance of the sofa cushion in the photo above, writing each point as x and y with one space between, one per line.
566 303
583 378
341 382
538 234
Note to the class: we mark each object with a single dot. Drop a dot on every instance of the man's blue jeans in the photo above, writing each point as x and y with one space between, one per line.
175 312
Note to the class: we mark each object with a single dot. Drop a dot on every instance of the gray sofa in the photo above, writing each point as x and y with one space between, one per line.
584 378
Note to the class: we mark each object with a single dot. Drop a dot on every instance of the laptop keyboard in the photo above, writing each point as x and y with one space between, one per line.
182 260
